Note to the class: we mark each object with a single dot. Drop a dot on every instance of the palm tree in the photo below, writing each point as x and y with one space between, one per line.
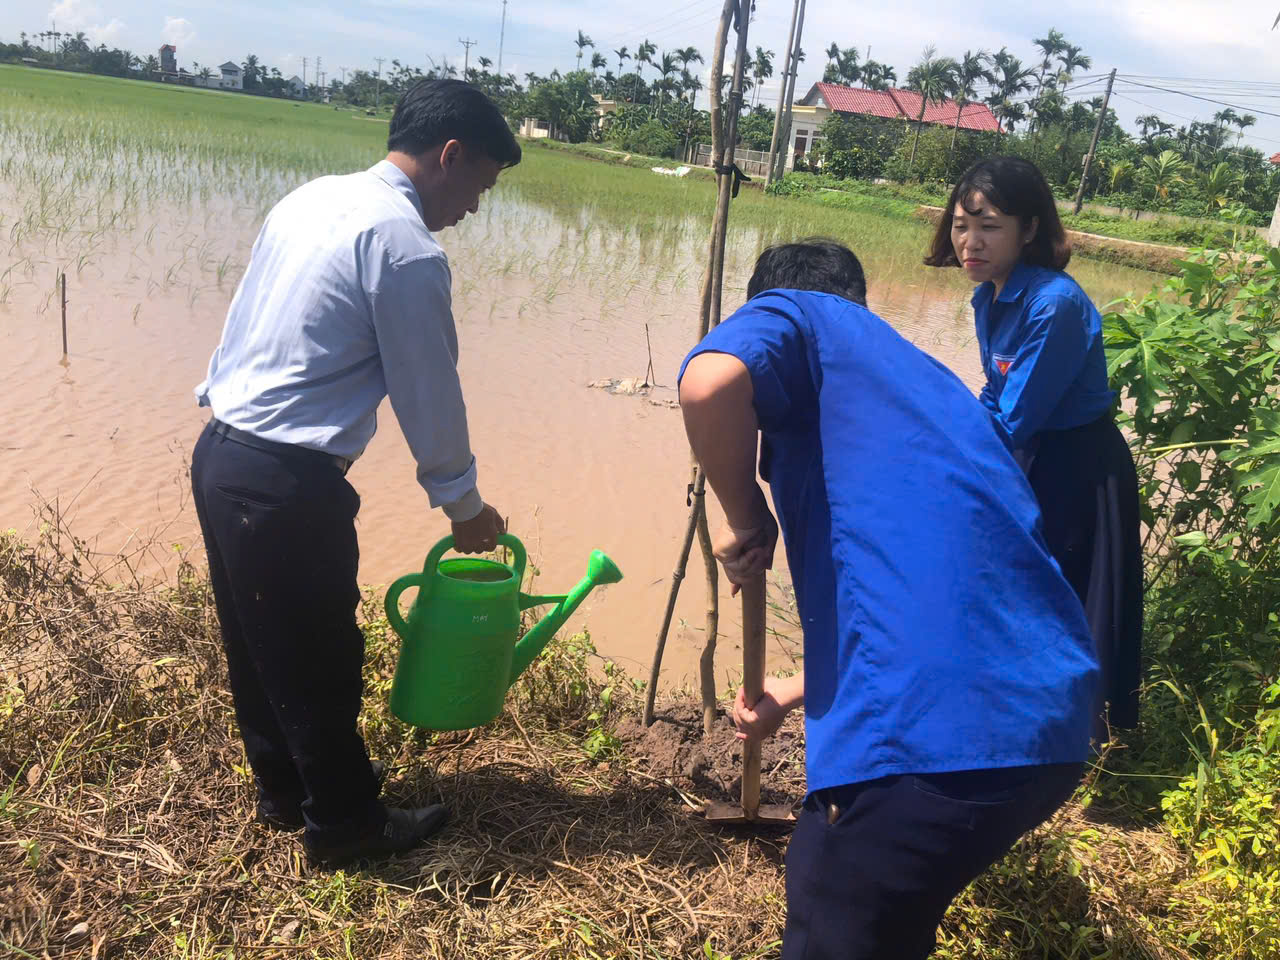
206 75
531 79
842 65
693 83
623 54
761 68
1248 120
688 55
666 67
644 54
151 66
1163 172
878 76
971 68
597 61
934 78
1050 46
1219 185
1222 118
1072 58
485 64
1012 79
582 43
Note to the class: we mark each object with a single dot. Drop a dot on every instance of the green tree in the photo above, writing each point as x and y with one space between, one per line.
1012 80
597 61
934 78
972 69
1244 122
582 42
644 54
252 71
1072 58
878 76
842 65
151 66
623 54
761 69
1162 173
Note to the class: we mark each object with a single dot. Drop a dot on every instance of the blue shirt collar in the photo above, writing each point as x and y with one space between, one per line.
397 180
1013 289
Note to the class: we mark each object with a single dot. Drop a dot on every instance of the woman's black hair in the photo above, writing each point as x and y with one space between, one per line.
433 112
813 264
1016 188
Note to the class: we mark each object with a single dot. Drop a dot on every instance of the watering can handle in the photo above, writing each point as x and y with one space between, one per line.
392 602
446 544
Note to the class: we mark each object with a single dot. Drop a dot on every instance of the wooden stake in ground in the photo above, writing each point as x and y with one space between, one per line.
62 279
723 136
787 67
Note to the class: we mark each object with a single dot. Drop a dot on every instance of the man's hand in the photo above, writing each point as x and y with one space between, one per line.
747 551
480 533
762 720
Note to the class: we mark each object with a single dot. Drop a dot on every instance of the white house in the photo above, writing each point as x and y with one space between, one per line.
232 76
296 86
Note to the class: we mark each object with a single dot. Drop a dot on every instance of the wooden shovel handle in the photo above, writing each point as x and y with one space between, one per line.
753 621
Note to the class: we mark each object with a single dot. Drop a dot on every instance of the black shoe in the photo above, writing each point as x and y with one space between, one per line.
401 830
288 816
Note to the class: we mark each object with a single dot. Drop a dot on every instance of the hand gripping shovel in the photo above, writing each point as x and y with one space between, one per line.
751 811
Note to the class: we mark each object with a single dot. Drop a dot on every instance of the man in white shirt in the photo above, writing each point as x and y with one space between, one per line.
346 299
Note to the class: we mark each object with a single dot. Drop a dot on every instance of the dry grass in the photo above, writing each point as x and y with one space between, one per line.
126 817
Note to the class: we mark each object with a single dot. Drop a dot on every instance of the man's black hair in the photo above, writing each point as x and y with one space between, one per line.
813 264
433 112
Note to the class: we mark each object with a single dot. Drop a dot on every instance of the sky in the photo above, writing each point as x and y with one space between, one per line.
1221 50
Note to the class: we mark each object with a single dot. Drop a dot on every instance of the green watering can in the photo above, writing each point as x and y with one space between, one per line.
460 653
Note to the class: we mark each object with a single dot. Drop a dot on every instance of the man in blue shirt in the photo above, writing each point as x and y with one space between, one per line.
345 301
948 666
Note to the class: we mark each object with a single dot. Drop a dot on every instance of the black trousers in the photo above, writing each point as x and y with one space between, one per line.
280 535
1085 482
871 879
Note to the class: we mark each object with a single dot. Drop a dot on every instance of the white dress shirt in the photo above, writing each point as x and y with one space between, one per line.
346 300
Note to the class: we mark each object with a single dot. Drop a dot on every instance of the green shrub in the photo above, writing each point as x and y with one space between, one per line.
651 138
1195 365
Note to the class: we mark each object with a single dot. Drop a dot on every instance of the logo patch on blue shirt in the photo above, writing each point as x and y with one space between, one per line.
1003 363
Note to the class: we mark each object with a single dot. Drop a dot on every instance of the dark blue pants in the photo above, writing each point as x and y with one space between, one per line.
872 866
280 535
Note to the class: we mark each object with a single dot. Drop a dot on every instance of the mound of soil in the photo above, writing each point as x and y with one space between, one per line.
674 747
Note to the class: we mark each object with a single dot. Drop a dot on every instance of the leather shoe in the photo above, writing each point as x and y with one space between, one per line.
287 817
400 830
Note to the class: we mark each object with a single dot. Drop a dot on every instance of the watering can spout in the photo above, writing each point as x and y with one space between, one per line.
600 571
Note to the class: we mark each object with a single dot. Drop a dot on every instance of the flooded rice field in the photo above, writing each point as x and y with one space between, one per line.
549 297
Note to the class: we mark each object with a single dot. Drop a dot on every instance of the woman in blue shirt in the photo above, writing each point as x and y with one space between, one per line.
1041 343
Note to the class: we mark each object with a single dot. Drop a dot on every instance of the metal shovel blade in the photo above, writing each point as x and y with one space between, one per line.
723 812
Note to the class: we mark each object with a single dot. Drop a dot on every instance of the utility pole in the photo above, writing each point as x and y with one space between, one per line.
466 62
782 93
304 78
784 144
502 35
1093 144
377 84
320 77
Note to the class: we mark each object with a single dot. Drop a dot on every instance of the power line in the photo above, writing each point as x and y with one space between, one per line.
1221 103
1179 116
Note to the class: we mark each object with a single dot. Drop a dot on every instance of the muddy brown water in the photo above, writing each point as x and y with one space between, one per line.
542 309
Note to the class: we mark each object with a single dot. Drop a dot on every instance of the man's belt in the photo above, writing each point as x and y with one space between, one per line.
290 450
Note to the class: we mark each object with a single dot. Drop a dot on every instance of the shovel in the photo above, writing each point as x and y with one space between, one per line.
750 811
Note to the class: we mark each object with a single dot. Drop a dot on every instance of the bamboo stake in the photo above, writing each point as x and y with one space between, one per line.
62 278
723 136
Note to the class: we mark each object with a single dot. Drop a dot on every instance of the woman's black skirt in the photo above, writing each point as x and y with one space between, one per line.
1085 482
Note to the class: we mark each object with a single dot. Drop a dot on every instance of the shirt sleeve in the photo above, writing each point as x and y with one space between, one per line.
1048 360
413 321
766 336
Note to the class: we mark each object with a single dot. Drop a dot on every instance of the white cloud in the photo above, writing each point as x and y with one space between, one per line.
84 15
178 31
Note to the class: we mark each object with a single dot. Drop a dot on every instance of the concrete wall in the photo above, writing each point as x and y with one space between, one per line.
1273 235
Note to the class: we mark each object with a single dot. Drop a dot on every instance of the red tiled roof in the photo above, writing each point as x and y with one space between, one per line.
877 103
975 116
894 103
1276 159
